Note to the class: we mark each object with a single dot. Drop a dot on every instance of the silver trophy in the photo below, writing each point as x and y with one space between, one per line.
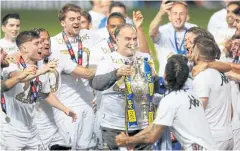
139 87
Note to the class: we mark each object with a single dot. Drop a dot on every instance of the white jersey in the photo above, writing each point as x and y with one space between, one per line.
113 99
19 101
235 92
8 46
183 111
218 27
217 89
165 44
96 18
73 91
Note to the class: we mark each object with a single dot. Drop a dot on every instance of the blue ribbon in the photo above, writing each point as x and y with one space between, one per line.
179 51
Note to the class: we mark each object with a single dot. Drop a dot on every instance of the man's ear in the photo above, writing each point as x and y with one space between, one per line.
63 23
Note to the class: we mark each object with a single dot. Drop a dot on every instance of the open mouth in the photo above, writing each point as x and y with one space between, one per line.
76 27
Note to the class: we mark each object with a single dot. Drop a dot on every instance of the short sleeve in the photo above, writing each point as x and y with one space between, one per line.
66 65
166 112
11 68
104 67
200 87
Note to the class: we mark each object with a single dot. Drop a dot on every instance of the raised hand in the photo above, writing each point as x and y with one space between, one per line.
50 66
31 69
165 8
137 18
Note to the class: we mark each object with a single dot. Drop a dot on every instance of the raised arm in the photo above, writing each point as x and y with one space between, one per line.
138 21
155 24
11 82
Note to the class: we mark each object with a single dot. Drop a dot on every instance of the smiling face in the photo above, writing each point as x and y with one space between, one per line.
12 28
230 15
71 23
45 40
178 16
33 49
236 24
112 25
126 40
189 42
235 47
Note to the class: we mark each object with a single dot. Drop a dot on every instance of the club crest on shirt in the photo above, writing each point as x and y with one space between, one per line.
27 96
54 80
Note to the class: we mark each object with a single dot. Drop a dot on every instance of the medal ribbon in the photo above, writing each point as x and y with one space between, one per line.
132 118
179 51
33 87
3 104
70 49
110 44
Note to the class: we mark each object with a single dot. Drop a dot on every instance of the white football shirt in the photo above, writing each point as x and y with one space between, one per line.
183 112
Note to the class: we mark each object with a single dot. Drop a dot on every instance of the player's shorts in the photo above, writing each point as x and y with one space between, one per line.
82 131
236 139
16 136
49 132
97 130
225 145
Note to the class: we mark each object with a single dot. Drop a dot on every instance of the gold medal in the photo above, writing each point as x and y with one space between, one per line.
7 119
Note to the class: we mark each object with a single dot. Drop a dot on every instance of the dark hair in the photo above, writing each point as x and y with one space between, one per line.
233 2
86 15
26 36
39 30
206 47
116 15
237 11
177 72
198 31
8 16
119 27
68 7
117 4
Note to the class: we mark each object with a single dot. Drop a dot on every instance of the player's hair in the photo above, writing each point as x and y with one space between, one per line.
66 8
39 30
237 11
120 27
26 36
177 72
206 48
200 32
116 15
86 15
117 4
233 3
8 16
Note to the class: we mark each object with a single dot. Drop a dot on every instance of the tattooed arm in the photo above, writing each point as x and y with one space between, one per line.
147 136
82 72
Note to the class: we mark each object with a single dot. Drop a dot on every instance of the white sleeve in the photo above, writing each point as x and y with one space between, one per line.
11 68
67 65
166 112
104 67
201 88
